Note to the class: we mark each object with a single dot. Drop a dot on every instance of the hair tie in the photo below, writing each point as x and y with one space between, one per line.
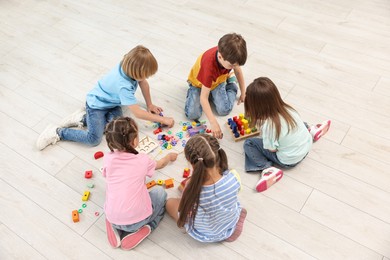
200 159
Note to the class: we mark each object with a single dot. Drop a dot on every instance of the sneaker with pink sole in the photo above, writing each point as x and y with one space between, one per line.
268 178
133 239
319 130
113 235
239 227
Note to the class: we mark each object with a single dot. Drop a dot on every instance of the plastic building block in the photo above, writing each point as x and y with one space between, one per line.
91 185
160 182
186 173
88 174
98 155
169 183
150 184
97 213
75 216
156 131
85 196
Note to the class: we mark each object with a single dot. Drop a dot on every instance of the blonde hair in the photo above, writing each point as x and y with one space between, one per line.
139 63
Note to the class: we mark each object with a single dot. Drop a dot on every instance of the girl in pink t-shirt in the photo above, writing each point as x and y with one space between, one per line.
131 211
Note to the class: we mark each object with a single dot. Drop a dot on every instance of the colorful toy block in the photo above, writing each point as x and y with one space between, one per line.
98 155
156 131
75 216
186 173
239 127
88 174
150 184
169 183
85 196
160 182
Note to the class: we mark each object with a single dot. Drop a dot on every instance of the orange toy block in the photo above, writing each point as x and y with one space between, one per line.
169 183
150 184
75 216
85 196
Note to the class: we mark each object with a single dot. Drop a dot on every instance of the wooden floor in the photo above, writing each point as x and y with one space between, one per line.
330 60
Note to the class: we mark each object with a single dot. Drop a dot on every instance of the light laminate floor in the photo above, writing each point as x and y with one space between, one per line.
330 59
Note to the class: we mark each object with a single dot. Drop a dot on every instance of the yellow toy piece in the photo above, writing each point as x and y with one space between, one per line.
85 196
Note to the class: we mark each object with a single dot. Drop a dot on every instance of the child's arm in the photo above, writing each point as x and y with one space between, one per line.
165 160
204 102
145 115
241 83
145 89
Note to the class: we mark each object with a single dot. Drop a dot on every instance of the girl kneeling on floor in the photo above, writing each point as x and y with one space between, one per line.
286 139
208 209
132 212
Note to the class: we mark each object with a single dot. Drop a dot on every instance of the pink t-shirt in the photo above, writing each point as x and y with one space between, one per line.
127 198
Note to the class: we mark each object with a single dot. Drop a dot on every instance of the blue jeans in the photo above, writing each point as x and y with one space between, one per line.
223 97
96 121
257 158
158 197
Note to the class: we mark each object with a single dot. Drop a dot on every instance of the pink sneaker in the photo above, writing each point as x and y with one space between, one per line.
113 235
269 177
133 239
319 130
240 225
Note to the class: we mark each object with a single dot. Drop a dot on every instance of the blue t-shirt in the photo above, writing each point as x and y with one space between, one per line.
114 89
218 211
291 146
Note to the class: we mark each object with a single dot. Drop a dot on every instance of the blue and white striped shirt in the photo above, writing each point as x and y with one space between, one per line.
218 210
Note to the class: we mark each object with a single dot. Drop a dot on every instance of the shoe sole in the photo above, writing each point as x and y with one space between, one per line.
112 235
267 181
132 240
322 130
239 226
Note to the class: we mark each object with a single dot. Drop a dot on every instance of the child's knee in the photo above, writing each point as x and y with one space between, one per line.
94 140
223 110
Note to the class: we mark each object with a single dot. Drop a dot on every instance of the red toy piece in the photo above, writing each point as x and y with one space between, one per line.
98 155
88 174
158 130
186 173
208 131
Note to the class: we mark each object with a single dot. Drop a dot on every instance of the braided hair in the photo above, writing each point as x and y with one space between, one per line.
203 152
121 133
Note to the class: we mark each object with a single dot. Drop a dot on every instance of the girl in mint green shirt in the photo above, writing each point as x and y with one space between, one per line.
285 140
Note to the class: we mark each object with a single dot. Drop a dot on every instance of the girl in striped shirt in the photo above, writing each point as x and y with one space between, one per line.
209 209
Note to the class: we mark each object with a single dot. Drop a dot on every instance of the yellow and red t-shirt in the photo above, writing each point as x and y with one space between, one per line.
207 71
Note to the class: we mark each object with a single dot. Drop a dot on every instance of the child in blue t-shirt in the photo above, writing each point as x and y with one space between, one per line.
285 140
104 102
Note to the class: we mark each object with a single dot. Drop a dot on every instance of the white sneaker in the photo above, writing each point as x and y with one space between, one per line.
74 119
47 137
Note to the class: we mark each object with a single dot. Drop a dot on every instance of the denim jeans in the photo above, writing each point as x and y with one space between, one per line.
257 158
96 121
223 97
158 197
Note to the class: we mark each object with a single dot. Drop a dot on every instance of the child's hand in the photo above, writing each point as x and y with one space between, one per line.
216 130
241 99
168 121
154 109
172 156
